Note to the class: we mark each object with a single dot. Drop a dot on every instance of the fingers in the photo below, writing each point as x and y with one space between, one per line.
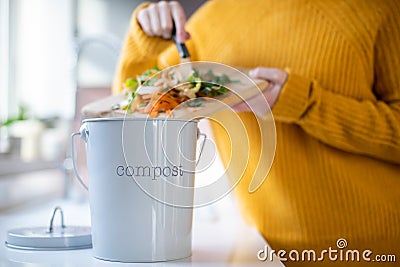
165 19
158 18
276 76
257 104
179 17
154 20
277 79
144 21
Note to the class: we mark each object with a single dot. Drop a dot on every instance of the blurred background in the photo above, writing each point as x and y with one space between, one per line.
55 56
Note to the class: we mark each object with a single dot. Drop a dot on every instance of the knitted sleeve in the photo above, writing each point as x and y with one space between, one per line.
364 127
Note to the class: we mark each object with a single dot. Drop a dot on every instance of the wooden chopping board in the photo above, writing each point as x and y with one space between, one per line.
244 89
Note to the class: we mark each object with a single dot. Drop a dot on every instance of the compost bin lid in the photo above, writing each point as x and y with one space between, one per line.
50 238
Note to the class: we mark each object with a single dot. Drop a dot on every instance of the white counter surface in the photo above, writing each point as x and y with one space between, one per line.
220 237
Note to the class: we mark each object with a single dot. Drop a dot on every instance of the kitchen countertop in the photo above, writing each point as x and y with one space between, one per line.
220 237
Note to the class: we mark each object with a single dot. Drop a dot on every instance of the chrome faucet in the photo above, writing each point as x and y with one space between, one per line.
109 41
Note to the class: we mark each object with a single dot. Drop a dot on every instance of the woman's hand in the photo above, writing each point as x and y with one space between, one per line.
158 19
277 79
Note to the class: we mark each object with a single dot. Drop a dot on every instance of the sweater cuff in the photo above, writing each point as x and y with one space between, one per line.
293 99
148 45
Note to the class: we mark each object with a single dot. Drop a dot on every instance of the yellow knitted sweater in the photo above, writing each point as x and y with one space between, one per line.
336 172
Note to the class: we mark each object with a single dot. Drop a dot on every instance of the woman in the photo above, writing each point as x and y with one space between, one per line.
335 96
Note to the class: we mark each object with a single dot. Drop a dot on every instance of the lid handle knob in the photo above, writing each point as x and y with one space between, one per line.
52 219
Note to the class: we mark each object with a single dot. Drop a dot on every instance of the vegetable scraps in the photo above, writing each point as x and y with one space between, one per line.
155 92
